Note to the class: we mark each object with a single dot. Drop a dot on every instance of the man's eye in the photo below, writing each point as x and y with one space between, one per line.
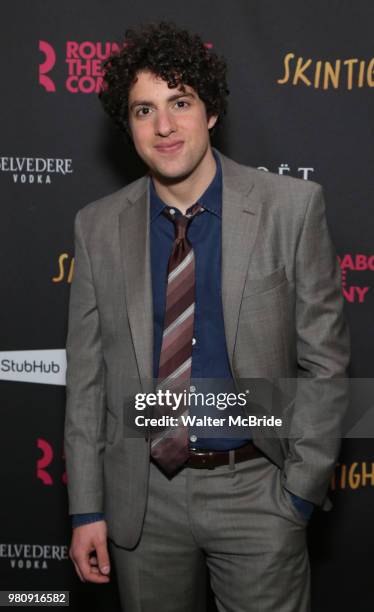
183 102
144 110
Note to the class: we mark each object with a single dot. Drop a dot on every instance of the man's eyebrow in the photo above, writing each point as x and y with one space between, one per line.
170 99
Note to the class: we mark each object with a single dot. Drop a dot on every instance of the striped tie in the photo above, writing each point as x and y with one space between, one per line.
169 449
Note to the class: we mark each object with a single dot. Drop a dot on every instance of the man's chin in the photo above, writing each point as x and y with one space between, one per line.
171 177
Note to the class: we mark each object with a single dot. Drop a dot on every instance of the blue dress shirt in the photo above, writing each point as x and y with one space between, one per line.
209 352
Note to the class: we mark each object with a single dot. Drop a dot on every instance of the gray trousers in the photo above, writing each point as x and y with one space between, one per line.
237 522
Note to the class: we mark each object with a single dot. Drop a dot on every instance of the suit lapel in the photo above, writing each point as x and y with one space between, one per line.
241 212
135 255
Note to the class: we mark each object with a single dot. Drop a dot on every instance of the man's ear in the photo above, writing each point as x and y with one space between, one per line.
212 121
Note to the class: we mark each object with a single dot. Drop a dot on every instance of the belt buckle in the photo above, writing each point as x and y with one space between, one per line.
205 458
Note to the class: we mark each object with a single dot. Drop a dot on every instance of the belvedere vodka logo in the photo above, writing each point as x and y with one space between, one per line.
23 556
34 170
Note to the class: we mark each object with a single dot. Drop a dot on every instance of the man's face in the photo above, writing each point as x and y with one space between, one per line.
169 127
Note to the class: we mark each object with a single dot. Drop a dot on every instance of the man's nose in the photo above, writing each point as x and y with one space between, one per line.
164 123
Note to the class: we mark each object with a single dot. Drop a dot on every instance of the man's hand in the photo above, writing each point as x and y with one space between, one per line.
88 539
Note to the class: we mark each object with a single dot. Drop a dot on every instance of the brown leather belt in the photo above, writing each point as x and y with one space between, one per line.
210 459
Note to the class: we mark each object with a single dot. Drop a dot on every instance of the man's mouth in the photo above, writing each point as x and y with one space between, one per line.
170 148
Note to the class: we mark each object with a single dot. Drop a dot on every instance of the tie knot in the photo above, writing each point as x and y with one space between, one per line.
182 222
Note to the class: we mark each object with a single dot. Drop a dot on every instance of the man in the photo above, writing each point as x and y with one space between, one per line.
203 269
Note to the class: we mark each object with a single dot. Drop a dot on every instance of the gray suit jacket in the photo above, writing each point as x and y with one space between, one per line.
283 315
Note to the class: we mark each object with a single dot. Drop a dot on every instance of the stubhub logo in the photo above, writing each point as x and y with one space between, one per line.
38 366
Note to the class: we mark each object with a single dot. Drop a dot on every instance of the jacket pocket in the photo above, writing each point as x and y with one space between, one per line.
295 512
255 285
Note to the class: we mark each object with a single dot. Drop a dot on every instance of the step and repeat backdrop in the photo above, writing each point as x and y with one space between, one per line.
301 79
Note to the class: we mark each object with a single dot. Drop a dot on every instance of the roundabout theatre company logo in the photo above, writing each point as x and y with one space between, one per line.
83 62
355 287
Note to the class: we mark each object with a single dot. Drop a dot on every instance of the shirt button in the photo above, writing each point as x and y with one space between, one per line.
172 211
192 388
193 438
193 341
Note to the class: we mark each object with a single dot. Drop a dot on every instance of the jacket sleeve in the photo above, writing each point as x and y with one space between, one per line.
323 353
84 435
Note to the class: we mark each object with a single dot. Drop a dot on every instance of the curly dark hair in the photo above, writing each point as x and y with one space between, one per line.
175 55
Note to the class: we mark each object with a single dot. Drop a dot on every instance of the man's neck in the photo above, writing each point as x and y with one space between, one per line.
185 193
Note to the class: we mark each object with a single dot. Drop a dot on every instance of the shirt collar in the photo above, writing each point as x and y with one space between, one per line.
211 199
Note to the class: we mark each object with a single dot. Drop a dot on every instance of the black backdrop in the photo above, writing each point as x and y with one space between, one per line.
301 77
